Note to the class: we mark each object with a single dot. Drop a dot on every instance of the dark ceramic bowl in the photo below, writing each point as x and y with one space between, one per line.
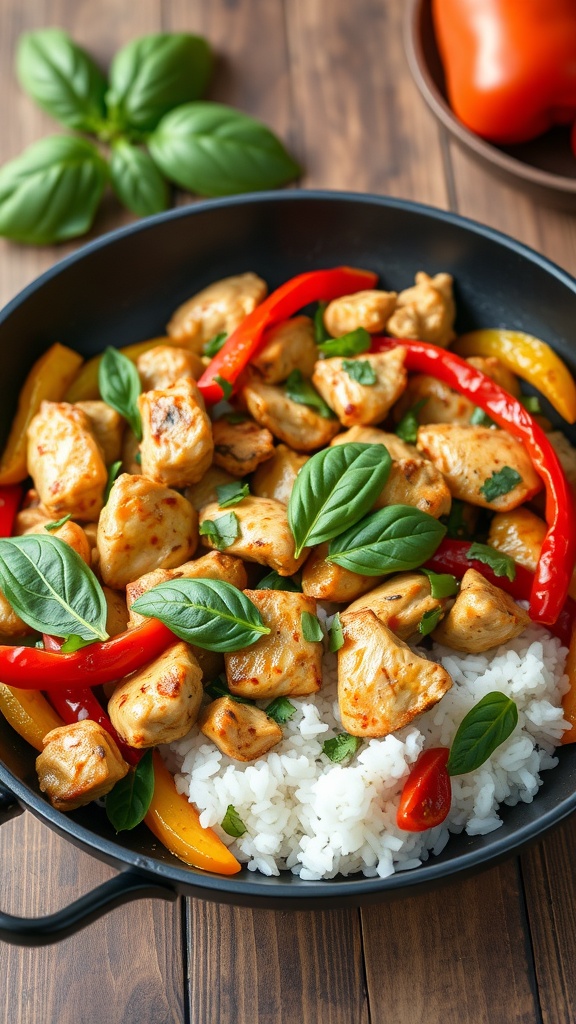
122 288
545 167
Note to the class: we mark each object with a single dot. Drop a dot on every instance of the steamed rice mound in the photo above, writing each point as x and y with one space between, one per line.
318 819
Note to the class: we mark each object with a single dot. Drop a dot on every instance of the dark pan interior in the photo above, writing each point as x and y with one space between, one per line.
123 288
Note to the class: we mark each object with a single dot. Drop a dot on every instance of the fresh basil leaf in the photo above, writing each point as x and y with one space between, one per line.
51 192
113 471
429 621
61 78
407 429
335 635
212 347
273 581
232 494
222 531
393 539
299 389
214 150
127 804
334 489
281 710
320 333
208 613
442 584
341 747
225 385
501 564
311 628
501 482
479 418
360 370
351 344
155 73
232 823
457 527
51 588
58 523
120 387
218 688
136 180
481 731
531 403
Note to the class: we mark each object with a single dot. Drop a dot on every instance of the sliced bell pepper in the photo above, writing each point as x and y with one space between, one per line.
558 554
48 380
10 498
84 387
427 793
531 359
29 713
314 286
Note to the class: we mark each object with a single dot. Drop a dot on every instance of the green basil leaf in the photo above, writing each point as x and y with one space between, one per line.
429 621
479 418
51 192
299 389
442 584
218 688
136 180
393 539
212 347
232 823
273 581
155 73
341 747
281 710
225 385
407 428
457 527
208 613
335 635
334 489
320 333
484 728
214 150
360 370
222 531
51 587
501 564
113 471
61 78
531 403
232 494
58 523
311 628
501 482
351 344
120 387
127 804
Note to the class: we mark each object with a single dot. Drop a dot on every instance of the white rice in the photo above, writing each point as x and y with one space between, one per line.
318 819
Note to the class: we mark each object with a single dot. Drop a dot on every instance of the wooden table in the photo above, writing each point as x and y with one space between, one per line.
331 78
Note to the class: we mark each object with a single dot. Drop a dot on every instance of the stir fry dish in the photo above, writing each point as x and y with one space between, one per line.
293 584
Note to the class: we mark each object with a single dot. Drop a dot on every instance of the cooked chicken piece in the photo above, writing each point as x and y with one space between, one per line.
204 491
275 478
144 526
263 534
497 372
566 453
327 581
240 731
160 702
282 663
177 445
425 311
442 404
468 457
362 404
162 366
382 684
369 309
520 534
79 763
240 447
397 448
131 460
416 482
289 345
299 426
482 616
11 624
65 462
401 602
107 425
28 519
117 614
217 309
216 565
71 533
91 531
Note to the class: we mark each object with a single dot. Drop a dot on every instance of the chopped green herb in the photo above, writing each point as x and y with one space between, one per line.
280 710
232 823
501 482
299 389
233 418
531 403
218 688
341 747
407 428
335 636
232 494
213 346
311 628
225 385
360 370
320 332
479 418
481 731
351 344
429 621
113 471
59 522
442 584
138 458
456 526
273 581
222 531
501 564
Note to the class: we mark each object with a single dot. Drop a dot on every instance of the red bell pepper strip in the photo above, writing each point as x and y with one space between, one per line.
314 286
10 498
558 553
427 793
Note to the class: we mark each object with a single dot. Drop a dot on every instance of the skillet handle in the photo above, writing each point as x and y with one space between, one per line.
41 931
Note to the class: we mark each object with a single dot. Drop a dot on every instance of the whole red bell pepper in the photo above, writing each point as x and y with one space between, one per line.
509 65
314 286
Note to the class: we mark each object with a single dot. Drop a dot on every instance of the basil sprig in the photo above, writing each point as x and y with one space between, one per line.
481 731
208 613
51 588
393 539
334 489
120 386
501 564
127 804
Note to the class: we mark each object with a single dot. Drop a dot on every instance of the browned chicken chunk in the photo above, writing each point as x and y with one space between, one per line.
162 366
240 447
401 602
419 483
240 731
71 533
299 426
440 403
425 311
566 453
520 534
287 346
204 491
65 462
263 534
275 478
79 763
11 625
369 309
482 616
117 612
107 425
177 445
217 309
327 581
397 448
131 454
361 404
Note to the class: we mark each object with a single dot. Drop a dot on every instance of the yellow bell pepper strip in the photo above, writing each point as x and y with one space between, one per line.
29 714
176 823
569 699
533 360
49 379
84 388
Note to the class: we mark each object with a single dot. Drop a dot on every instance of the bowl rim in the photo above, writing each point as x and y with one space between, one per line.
245 888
